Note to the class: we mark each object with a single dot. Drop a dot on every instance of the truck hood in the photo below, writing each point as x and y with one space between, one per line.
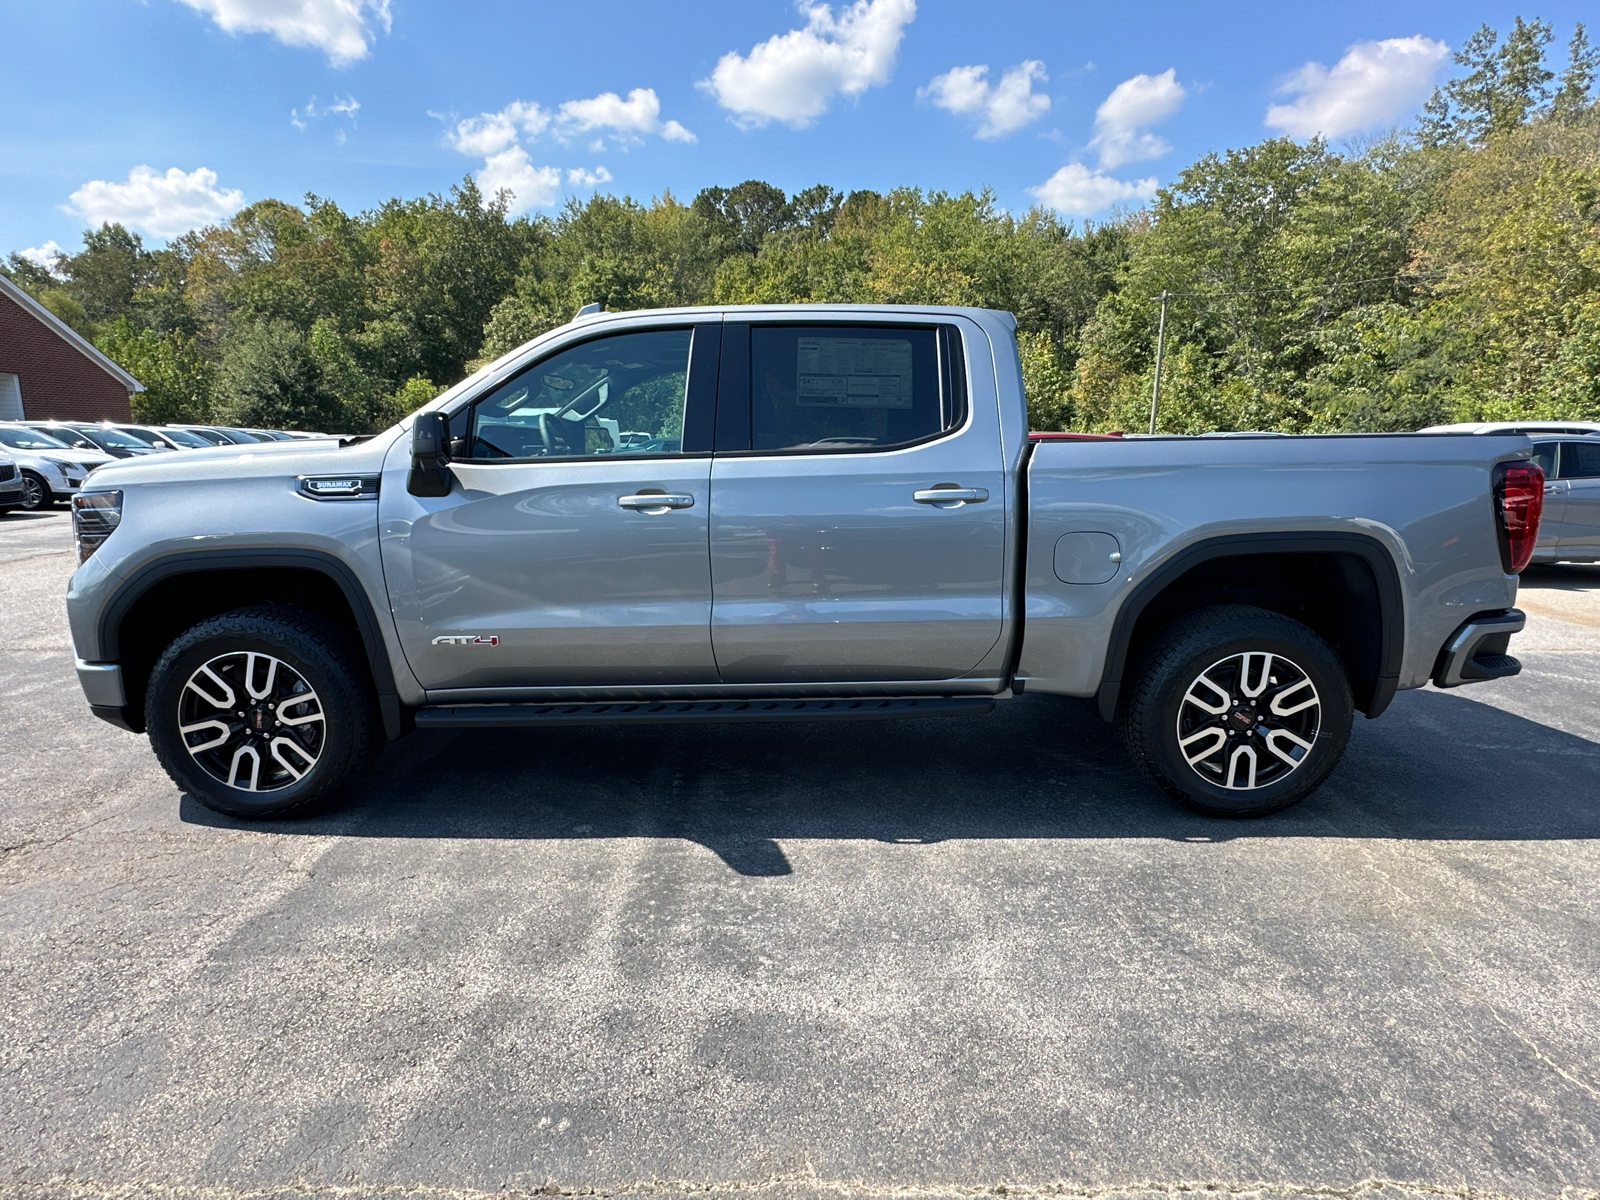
222 463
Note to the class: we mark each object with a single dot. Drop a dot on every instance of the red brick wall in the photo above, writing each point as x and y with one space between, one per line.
58 382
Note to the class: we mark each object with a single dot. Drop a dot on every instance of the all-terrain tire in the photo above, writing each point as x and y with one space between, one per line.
316 707
1213 659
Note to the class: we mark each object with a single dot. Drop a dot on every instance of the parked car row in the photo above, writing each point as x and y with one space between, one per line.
49 460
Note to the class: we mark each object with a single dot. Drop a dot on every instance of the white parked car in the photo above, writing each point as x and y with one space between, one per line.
1529 427
51 471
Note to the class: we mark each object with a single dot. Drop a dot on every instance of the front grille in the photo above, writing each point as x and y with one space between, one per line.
8 472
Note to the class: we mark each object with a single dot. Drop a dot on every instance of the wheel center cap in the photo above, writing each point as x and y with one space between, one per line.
1242 718
258 718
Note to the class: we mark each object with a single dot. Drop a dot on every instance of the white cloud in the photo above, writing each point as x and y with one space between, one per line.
511 171
580 177
1077 191
42 256
301 118
1121 133
1375 83
627 119
490 133
342 29
792 76
163 205
1005 107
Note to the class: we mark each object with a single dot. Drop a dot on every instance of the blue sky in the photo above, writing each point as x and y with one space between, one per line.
171 113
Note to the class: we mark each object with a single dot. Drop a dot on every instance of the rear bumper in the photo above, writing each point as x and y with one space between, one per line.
1477 650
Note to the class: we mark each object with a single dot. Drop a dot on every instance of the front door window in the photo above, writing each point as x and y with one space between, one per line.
616 395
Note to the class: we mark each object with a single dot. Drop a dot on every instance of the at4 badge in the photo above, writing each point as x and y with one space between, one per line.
468 639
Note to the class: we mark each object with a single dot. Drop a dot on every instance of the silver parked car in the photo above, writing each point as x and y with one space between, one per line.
1569 531
52 472
10 483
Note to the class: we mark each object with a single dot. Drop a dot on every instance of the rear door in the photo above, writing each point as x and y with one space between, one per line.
1555 500
858 506
572 549
1580 520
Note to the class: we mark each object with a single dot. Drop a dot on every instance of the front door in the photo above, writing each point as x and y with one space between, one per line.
857 508
1580 518
572 549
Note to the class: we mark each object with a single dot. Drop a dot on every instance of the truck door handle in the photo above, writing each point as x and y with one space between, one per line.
655 502
1552 489
951 495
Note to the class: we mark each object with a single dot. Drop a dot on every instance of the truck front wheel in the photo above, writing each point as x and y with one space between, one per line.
1238 711
262 712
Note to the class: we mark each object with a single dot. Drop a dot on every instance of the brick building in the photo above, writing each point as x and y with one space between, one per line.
49 372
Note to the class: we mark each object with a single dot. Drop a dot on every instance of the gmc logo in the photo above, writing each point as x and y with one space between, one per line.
467 639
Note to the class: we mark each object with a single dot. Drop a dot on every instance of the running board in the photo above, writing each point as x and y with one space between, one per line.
497 716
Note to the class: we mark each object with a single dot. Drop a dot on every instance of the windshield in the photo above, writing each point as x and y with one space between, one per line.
116 437
210 436
28 439
145 439
238 435
184 438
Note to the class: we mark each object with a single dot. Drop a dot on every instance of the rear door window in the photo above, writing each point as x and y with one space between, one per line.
828 388
1580 460
1544 453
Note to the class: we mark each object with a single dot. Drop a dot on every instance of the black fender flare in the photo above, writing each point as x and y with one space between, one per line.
1385 575
187 562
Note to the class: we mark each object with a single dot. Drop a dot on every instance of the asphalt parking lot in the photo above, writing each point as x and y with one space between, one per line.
931 958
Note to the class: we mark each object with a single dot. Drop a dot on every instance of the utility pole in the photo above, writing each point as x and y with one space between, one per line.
1161 345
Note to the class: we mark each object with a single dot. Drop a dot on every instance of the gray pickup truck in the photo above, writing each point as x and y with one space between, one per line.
767 513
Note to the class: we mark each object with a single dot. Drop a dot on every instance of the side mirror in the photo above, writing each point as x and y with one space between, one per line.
430 455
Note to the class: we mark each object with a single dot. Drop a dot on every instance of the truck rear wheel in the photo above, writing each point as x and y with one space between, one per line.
1238 711
263 712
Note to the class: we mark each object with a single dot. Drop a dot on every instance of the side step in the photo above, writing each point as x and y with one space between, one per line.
496 716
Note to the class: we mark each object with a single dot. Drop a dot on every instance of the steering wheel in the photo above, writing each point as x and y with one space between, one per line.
603 385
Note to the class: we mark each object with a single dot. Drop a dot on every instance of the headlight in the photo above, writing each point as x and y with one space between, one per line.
75 468
94 516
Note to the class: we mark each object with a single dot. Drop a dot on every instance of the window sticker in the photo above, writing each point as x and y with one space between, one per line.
840 372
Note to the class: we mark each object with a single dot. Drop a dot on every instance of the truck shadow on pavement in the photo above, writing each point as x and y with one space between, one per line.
1436 767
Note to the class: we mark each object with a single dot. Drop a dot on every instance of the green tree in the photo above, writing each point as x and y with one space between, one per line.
1583 61
269 377
177 378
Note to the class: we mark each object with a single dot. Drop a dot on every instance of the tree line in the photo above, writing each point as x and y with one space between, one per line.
1446 272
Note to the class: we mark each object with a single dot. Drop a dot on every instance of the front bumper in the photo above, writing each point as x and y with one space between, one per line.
102 688
1477 650
101 683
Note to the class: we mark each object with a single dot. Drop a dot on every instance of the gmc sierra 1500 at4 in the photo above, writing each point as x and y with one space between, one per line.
750 514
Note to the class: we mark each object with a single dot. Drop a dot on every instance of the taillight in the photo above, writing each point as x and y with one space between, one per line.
1518 502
